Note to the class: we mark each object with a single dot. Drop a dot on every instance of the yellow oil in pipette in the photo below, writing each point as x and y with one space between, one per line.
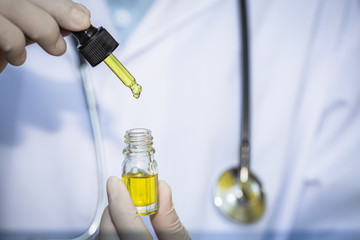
123 75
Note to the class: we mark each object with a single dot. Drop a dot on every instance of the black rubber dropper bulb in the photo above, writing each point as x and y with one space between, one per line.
95 44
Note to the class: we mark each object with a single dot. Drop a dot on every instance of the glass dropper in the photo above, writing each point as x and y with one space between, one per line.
97 45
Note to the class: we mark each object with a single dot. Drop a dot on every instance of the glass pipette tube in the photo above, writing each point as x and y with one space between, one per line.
123 74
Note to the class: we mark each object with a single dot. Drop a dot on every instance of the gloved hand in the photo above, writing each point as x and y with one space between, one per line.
23 22
120 219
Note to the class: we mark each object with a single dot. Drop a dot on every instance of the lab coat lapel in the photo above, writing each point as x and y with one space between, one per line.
162 19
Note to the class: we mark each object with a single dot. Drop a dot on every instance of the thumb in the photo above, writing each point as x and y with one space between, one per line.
123 213
166 222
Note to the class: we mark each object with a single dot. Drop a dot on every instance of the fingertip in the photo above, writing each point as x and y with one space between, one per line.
115 188
81 17
60 46
12 44
112 186
22 58
165 193
19 59
113 180
84 9
164 184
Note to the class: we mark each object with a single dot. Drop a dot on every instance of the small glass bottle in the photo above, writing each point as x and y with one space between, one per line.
139 170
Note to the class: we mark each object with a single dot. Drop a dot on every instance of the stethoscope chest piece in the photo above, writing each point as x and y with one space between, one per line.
241 201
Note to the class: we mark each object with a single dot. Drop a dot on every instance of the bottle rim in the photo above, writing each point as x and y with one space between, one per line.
139 131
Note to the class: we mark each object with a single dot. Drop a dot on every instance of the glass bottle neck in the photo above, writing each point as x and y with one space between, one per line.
139 141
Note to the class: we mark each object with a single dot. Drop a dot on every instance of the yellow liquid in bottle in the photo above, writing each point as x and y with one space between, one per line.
123 74
143 190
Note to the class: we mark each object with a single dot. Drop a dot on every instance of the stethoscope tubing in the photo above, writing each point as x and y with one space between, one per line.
245 87
91 105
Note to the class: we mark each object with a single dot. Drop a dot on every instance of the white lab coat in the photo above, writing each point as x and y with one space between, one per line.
305 122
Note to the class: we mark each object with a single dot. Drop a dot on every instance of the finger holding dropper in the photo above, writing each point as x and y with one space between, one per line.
96 45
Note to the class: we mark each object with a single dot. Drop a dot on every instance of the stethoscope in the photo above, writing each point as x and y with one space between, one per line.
238 194
91 104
